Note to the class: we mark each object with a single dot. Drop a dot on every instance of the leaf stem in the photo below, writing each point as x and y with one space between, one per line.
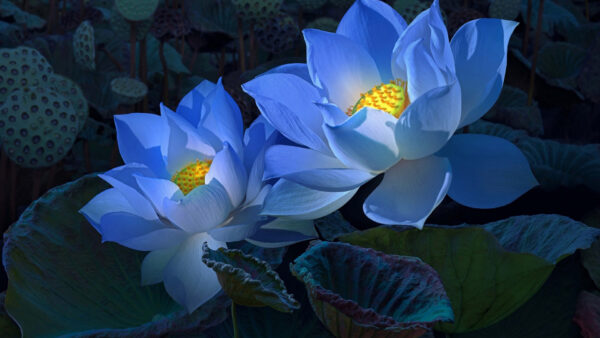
234 321
536 43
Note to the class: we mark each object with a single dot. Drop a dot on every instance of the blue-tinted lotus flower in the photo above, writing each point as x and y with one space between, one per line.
379 96
190 177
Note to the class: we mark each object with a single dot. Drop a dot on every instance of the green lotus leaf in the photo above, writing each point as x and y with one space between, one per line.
323 23
588 314
512 110
588 80
485 283
497 129
333 226
590 259
549 313
21 17
551 237
560 60
8 327
359 292
136 10
265 322
553 15
248 280
62 280
556 164
174 62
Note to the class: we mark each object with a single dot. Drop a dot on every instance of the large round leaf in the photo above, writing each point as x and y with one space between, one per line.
358 292
551 237
64 281
485 283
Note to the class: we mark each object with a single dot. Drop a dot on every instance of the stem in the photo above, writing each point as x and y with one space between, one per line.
236 333
4 178
36 185
14 170
252 47
114 155
466 3
112 59
163 61
86 155
51 174
24 5
241 45
587 10
143 71
193 62
538 33
527 28
132 45
81 10
51 16
222 62
180 75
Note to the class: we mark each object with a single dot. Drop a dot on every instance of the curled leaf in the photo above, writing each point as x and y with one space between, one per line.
359 292
248 280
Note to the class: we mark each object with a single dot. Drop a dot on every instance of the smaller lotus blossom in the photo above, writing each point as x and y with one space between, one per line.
190 176
380 97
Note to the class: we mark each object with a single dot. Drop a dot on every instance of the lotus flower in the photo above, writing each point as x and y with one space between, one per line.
380 97
190 177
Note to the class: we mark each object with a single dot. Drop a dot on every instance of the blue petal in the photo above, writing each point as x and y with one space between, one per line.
376 26
157 189
255 178
140 137
312 169
429 27
283 232
137 233
298 69
109 200
488 171
295 201
340 66
228 169
479 49
185 144
137 201
224 118
154 264
202 209
286 101
126 174
191 105
242 225
187 279
254 141
365 141
409 192
423 74
428 123
289 124
332 114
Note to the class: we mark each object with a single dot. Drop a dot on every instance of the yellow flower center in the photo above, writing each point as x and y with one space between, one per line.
391 98
191 176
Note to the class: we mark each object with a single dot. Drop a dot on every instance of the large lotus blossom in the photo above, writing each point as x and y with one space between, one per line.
381 97
190 177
